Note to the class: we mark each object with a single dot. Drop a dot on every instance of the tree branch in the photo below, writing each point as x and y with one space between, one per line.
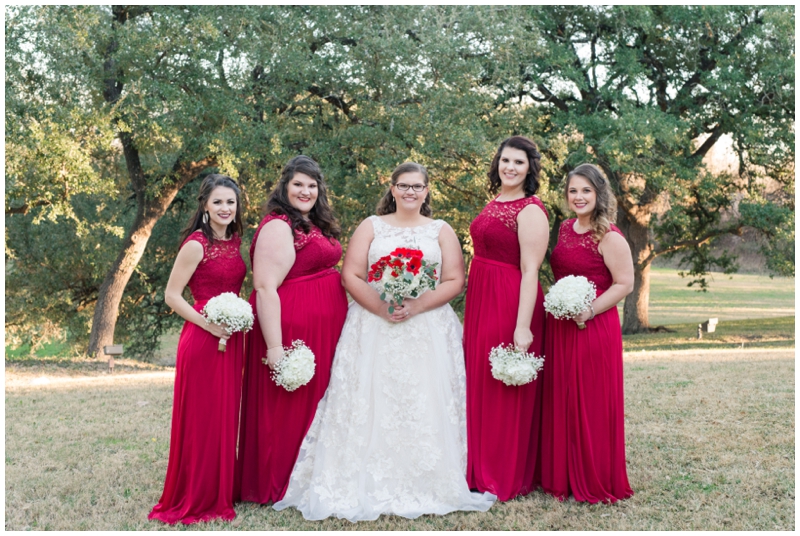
735 228
27 206
336 101
550 97
709 143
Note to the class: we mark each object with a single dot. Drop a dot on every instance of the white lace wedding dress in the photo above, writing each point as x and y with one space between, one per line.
389 436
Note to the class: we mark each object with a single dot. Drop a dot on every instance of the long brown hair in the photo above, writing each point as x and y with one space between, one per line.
387 204
531 184
320 214
605 207
208 185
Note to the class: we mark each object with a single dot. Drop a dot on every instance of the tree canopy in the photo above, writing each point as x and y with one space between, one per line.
113 113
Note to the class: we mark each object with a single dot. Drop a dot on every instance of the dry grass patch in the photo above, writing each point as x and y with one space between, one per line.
710 446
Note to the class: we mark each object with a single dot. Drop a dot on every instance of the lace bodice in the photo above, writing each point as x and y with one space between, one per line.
387 238
577 254
494 231
221 270
315 251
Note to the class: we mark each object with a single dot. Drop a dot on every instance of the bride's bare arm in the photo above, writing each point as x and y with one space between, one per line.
354 272
451 276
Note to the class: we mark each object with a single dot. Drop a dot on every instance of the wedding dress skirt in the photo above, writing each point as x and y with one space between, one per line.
389 436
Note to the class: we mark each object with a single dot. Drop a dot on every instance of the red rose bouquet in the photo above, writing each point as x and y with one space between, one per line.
404 273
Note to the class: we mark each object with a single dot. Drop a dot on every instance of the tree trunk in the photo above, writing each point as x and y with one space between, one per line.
635 310
637 303
111 291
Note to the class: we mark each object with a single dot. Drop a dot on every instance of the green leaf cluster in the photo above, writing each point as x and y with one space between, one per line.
108 106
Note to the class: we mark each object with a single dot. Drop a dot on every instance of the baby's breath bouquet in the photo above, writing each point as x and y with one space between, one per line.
569 296
513 366
231 311
296 367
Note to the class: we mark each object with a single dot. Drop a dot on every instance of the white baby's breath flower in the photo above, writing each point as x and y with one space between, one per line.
513 366
230 310
569 296
296 367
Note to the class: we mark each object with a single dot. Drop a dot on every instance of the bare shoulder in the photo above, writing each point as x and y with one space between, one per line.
363 234
531 213
445 231
190 255
366 228
277 225
192 249
613 243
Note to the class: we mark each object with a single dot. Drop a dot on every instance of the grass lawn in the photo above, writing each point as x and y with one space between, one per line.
730 297
710 445
775 332
752 309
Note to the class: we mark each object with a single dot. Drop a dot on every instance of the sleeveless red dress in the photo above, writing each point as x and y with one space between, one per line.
583 419
502 421
205 413
275 421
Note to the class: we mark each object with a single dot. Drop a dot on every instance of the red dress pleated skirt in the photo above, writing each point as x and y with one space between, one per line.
199 485
583 416
275 421
502 421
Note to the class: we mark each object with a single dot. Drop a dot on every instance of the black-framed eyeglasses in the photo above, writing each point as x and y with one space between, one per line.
416 187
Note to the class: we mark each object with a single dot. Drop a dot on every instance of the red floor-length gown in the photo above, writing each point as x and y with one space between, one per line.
502 421
275 421
205 413
583 420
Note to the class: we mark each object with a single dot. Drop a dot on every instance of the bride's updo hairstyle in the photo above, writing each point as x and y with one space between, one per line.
320 214
605 208
387 204
210 182
531 184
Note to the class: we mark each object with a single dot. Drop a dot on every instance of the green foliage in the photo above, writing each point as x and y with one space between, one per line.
644 93
53 271
106 106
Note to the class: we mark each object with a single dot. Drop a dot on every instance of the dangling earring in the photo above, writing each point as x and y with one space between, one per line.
234 219
205 217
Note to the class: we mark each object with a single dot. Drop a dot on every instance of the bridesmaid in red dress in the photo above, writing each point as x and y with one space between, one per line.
505 305
297 294
583 421
208 383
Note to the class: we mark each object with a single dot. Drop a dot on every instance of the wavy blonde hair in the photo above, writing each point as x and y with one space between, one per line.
605 208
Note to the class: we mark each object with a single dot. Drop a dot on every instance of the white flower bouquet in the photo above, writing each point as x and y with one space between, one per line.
231 311
569 296
296 367
403 273
513 366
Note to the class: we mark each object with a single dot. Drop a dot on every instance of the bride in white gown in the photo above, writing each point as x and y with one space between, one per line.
389 436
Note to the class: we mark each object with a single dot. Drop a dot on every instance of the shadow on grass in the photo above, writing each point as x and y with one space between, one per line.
753 333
